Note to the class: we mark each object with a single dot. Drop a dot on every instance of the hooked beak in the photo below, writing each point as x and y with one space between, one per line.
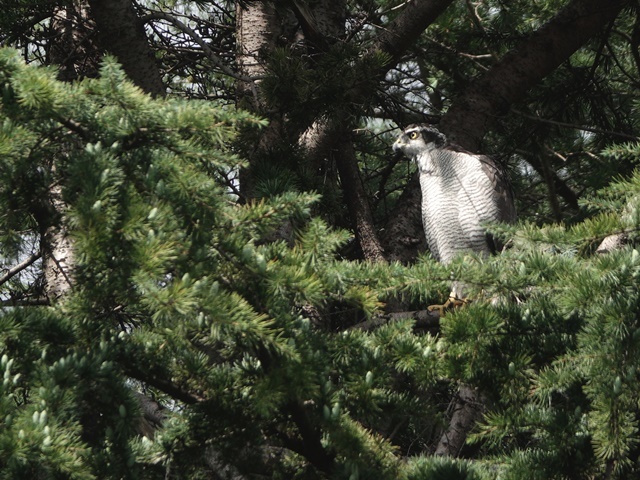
397 149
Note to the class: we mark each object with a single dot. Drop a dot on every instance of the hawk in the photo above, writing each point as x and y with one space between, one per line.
461 193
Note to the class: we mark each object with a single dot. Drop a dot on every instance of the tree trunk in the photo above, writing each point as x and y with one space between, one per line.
121 33
258 26
76 54
257 29
57 256
403 237
357 201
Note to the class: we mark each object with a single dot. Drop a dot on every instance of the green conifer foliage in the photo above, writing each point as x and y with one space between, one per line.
259 346
180 292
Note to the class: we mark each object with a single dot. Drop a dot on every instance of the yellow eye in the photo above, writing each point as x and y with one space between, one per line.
413 135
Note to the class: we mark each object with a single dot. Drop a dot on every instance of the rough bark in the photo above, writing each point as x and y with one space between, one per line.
121 33
403 237
58 260
77 55
257 29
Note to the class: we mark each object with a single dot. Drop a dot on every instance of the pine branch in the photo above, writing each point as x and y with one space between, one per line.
405 29
162 384
491 96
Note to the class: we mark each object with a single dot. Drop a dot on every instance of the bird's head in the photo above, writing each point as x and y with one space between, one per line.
417 139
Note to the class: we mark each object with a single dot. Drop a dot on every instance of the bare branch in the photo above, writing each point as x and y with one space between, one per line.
13 271
217 61
575 126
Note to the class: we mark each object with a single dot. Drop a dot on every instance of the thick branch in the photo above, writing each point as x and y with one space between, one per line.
311 440
404 30
467 408
491 96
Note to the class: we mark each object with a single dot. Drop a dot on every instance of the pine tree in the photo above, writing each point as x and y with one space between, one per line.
180 292
212 327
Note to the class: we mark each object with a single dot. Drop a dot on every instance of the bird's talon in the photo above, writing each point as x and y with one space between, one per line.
449 305
437 308
454 302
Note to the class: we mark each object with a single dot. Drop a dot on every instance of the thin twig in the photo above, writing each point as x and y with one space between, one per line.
19 267
576 127
215 59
